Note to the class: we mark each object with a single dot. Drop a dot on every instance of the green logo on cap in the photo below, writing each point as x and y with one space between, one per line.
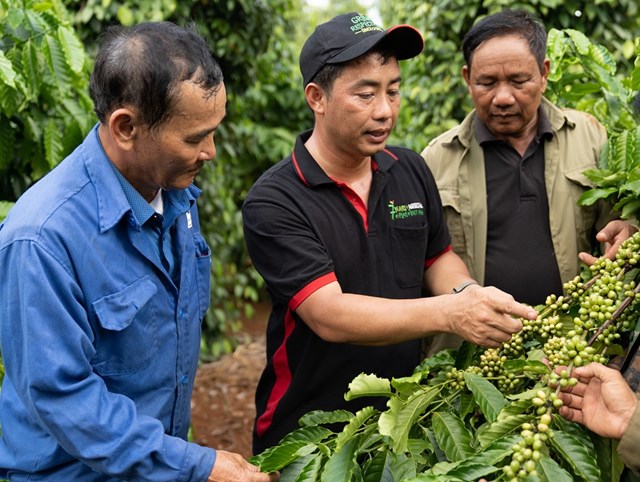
363 24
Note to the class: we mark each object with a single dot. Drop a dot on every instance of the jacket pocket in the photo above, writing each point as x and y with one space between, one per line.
577 184
451 206
408 251
126 338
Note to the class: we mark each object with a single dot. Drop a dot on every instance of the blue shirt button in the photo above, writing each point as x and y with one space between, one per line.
184 379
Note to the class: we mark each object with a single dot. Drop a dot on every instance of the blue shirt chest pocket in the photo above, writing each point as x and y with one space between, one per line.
126 336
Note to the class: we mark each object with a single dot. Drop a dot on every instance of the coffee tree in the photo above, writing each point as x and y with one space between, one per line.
45 110
477 412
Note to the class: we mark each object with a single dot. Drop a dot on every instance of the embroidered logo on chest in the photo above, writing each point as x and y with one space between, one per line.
403 211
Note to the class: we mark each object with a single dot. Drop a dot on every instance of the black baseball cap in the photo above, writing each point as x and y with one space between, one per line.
350 35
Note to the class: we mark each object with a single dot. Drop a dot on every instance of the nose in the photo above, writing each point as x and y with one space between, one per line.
208 149
384 107
503 95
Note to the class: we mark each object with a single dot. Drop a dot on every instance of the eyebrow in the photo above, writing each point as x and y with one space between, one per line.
374 83
197 136
204 133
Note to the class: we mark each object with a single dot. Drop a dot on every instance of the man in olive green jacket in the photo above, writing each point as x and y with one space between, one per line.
511 174
514 130
457 162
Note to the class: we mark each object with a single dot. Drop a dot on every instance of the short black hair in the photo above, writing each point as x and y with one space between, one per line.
507 22
141 66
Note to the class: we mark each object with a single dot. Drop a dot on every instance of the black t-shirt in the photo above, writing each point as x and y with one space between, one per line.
302 233
520 257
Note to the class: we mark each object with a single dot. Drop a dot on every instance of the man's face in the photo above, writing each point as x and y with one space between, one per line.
362 108
506 85
171 155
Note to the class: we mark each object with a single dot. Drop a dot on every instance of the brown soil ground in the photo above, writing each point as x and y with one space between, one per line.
222 405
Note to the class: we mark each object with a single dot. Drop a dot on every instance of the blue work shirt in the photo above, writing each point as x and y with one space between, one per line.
100 345
157 226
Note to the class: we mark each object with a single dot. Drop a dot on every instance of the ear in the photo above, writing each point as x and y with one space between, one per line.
124 127
546 67
315 96
465 75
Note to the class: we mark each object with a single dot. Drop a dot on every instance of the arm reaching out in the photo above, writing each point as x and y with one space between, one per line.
602 401
481 315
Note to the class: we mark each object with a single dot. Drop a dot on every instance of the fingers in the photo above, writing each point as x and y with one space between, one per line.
232 467
491 333
597 370
571 414
274 476
612 236
521 311
587 259
505 303
491 317
572 397
612 249
578 389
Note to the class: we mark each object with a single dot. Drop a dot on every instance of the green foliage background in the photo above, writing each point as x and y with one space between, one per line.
45 110
435 97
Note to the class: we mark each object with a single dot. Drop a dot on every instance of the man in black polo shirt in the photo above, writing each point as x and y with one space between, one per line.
347 233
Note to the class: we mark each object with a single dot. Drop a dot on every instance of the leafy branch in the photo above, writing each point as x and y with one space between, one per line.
585 75
472 413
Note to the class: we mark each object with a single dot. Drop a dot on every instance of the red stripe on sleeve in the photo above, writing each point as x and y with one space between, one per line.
281 366
315 285
430 261
283 378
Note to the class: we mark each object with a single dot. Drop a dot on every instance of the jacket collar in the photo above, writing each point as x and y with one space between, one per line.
557 117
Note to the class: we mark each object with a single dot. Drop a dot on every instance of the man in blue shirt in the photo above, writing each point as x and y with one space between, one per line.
105 279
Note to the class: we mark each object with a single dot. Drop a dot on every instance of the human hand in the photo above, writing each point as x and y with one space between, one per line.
612 236
601 401
230 467
485 316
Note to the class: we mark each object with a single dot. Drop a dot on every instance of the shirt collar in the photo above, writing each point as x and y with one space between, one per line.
142 210
175 202
113 203
310 172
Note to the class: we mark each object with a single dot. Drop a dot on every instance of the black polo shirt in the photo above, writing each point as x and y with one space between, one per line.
303 231
520 258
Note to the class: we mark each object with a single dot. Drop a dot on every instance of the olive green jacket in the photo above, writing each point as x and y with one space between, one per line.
457 162
629 447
